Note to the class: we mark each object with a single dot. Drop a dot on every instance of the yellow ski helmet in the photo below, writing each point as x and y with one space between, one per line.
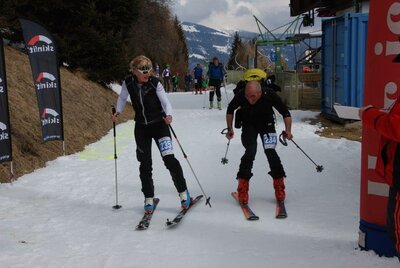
254 74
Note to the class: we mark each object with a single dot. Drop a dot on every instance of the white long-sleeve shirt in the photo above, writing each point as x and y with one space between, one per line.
160 91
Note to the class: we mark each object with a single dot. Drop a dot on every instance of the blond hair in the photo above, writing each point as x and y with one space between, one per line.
140 61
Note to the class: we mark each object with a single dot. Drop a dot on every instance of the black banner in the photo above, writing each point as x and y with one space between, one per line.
5 129
46 76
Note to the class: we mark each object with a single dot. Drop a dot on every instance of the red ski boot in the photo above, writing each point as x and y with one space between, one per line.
243 191
279 186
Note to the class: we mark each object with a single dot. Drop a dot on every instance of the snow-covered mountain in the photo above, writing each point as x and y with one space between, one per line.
204 43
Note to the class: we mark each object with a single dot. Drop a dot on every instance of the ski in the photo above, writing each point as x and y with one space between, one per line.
182 213
248 213
280 212
145 221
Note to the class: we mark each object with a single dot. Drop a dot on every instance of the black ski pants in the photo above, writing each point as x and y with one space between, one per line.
216 83
249 141
144 134
167 83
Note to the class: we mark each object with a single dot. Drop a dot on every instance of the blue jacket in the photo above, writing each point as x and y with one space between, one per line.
198 71
215 72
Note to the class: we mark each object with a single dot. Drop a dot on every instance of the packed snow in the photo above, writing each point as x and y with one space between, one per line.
223 49
62 216
189 28
222 33
197 56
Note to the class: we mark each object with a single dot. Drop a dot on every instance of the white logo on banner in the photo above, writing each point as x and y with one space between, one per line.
52 119
3 134
1 86
40 84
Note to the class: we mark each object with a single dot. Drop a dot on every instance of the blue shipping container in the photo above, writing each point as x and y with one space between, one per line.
344 41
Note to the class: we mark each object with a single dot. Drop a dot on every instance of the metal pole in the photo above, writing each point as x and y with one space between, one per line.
187 160
115 165
11 172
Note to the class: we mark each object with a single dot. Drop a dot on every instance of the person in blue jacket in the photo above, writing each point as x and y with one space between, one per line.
216 76
198 77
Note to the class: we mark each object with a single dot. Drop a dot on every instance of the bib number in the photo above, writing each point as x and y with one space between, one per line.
165 146
270 140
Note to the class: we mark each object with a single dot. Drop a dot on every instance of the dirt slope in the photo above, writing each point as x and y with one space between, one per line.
86 108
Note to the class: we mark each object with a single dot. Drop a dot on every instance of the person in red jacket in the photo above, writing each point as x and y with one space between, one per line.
387 124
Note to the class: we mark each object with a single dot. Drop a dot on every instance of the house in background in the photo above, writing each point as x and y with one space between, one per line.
344 41
344 38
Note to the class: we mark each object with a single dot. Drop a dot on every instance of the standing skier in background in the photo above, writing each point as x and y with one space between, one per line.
153 114
166 75
388 162
257 119
188 81
175 82
216 76
198 77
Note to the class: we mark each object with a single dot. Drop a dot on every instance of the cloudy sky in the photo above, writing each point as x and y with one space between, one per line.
233 14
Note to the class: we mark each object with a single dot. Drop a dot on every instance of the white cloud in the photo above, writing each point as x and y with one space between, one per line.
234 14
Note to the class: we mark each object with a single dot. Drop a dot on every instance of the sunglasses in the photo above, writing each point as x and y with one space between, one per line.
144 69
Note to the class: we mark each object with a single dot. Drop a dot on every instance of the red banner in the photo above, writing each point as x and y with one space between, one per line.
382 79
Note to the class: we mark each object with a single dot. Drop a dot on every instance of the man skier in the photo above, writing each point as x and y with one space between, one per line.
153 114
198 77
216 76
257 118
166 75
388 162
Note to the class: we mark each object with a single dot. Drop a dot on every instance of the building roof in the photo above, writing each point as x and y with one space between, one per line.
324 8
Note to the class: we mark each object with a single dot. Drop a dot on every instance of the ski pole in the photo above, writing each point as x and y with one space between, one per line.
185 156
282 139
205 97
224 160
115 163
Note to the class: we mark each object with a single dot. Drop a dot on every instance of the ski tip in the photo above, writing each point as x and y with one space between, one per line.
169 223
140 228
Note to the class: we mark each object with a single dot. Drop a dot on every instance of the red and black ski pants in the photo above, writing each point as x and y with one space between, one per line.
269 141
393 218
160 133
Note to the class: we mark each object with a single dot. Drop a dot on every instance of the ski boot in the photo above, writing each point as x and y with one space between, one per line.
219 105
185 199
279 186
148 205
243 191
211 104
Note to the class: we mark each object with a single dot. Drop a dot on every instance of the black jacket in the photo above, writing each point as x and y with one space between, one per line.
261 114
145 101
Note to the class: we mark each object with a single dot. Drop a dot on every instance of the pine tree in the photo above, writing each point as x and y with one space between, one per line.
237 47
102 36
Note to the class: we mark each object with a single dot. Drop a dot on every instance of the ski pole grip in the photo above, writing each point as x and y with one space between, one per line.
224 131
282 138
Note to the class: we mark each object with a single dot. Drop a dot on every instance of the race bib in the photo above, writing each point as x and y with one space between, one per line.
165 145
195 80
270 141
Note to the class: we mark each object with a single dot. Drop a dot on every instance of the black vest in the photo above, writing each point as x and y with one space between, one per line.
145 101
